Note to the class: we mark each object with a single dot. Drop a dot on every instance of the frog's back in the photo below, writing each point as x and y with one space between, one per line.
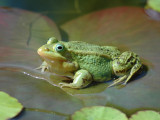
85 48
93 58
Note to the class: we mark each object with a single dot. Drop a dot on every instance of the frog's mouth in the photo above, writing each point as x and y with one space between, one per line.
50 55
54 61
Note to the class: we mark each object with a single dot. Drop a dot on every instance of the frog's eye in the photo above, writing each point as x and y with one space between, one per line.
59 48
52 40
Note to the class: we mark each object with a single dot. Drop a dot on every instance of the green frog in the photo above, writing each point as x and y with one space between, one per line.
83 62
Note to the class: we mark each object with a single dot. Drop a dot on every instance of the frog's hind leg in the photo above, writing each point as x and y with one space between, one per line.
82 78
134 69
126 65
118 81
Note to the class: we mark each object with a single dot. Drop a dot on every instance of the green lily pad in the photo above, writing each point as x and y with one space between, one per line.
99 113
154 4
146 115
9 106
153 9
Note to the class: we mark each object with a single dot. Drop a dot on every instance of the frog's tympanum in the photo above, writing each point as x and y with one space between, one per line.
84 62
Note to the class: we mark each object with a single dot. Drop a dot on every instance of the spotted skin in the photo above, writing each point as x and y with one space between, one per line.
84 62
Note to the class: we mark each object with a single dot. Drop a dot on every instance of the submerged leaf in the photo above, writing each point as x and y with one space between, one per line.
99 113
9 106
146 115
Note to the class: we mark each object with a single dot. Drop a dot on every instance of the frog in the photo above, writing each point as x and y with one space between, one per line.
84 63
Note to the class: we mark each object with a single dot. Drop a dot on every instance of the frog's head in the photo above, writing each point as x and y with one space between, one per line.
53 51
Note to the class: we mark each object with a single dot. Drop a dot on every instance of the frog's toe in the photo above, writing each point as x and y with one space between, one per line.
113 84
43 68
38 68
118 81
124 84
62 85
116 84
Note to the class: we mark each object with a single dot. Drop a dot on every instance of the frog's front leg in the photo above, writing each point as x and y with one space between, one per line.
125 66
82 78
43 67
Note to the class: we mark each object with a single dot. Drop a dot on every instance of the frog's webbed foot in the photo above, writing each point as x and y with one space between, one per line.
118 81
82 78
70 85
126 65
43 67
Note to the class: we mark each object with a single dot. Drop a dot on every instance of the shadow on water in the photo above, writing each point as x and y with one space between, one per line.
141 73
94 87
64 35
20 115
97 87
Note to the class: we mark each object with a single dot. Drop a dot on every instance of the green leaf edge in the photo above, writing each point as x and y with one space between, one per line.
82 109
139 113
151 4
20 106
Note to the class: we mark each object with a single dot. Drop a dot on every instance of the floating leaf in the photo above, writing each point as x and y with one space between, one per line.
146 115
153 9
128 28
99 113
154 4
9 106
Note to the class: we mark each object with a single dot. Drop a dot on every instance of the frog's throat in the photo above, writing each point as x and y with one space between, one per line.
52 56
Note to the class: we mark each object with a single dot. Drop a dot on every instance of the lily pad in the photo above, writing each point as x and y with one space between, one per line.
154 4
153 9
128 28
99 113
146 115
9 106
22 33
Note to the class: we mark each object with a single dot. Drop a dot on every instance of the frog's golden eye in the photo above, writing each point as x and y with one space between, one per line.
52 40
59 48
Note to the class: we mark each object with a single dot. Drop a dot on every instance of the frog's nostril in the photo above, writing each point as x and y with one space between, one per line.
46 49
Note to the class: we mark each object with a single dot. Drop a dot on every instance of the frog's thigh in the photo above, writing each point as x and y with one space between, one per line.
127 60
82 78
